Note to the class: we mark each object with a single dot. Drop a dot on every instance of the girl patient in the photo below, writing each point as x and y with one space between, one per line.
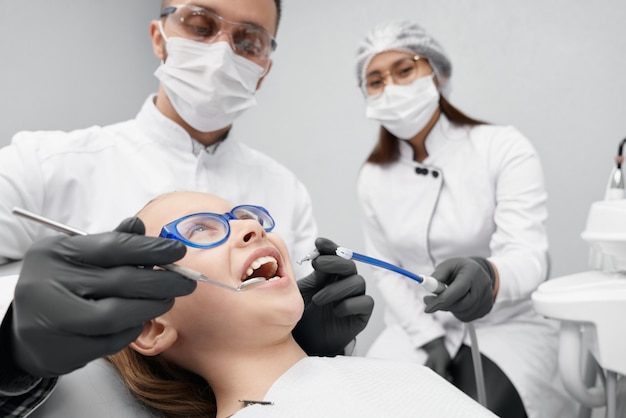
220 353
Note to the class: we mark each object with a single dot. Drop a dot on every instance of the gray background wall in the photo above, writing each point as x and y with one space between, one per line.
554 69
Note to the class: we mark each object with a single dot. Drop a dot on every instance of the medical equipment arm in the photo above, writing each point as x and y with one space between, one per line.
469 295
82 297
336 306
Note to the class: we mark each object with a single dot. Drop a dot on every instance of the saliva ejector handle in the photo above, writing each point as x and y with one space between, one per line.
433 285
430 283
343 252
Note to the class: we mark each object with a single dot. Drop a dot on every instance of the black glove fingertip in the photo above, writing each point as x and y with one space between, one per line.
177 285
173 284
174 250
132 225
333 264
325 246
430 304
178 247
430 309
362 306
187 287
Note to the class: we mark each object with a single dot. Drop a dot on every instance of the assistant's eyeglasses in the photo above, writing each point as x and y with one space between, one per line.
207 230
401 72
202 25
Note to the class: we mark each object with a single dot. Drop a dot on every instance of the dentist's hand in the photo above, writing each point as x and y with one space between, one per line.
82 297
469 295
336 307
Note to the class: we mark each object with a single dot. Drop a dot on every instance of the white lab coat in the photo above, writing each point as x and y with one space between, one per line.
483 195
313 387
93 178
362 388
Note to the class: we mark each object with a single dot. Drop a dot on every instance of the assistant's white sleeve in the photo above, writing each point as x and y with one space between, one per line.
20 185
401 298
519 246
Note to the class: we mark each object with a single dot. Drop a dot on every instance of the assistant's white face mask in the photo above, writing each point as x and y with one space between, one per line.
404 110
208 84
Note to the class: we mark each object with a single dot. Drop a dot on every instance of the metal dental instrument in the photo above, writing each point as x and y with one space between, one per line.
430 283
183 271
310 257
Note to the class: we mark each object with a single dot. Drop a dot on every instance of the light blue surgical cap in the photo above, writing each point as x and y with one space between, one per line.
408 37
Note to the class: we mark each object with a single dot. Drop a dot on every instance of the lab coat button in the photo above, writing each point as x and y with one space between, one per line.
435 173
420 170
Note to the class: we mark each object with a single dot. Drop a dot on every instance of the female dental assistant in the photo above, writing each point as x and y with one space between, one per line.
447 195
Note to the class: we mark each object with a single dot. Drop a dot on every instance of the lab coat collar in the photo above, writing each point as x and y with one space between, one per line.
161 129
437 139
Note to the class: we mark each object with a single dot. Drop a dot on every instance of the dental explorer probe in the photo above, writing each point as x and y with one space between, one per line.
183 271
430 283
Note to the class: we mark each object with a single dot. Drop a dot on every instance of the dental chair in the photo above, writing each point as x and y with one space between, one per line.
94 391
591 306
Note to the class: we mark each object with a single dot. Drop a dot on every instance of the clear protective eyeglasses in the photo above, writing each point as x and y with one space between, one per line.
401 72
208 230
202 25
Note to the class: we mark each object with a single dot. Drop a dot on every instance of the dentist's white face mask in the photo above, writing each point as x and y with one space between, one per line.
404 110
208 84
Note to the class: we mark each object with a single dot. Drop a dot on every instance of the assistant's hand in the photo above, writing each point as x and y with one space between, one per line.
82 297
336 307
438 356
469 295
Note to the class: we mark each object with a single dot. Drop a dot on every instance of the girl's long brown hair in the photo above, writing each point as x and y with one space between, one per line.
387 150
163 386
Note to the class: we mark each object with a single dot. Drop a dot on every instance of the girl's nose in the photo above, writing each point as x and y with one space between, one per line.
250 230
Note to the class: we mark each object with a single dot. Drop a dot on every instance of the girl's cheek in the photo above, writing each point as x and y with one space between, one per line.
199 260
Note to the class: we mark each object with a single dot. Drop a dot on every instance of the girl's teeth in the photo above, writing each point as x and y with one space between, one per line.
258 263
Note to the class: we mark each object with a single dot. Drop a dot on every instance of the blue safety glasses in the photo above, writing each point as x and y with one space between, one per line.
208 230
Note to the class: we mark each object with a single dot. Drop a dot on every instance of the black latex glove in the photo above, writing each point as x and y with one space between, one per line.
336 307
469 295
438 357
82 297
